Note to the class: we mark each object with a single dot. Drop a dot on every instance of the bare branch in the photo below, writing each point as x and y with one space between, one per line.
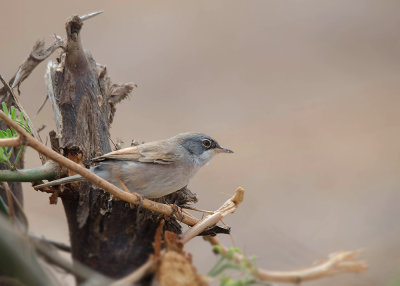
38 54
341 262
228 207
10 142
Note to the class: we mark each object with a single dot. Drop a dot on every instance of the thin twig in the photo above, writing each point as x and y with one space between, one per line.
136 275
228 207
11 211
341 262
41 107
10 142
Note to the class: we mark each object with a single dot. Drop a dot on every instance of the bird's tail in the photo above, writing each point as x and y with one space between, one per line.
62 181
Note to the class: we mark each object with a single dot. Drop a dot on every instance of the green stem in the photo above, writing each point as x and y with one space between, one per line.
20 151
48 171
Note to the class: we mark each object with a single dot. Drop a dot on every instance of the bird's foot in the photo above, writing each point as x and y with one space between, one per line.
139 199
177 212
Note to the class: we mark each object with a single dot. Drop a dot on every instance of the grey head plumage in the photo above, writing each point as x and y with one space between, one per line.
200 146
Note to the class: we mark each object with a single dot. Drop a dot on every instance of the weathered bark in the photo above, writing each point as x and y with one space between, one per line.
110 236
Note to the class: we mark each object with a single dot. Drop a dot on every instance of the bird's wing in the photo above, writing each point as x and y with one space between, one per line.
152 152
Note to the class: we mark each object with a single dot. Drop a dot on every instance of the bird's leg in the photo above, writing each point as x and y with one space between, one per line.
125 188
139 199
138 196
177 211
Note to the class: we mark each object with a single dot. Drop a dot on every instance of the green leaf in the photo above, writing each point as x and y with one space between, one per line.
13 113
2 157
217 248
27 126
9 154
231 252
21 117
15 134
5 109
9 133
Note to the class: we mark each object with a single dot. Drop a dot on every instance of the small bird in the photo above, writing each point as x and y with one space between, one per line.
154 169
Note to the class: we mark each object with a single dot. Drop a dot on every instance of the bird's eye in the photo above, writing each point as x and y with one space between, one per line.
206 143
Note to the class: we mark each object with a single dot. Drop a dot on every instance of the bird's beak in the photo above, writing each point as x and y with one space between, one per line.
220 149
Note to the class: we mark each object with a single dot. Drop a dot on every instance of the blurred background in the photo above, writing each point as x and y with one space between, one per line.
307 94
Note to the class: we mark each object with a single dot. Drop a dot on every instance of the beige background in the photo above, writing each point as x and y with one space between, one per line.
306 93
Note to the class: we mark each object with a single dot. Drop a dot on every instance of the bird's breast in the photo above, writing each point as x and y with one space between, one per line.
148 179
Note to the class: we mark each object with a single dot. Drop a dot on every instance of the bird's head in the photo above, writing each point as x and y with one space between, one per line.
202 147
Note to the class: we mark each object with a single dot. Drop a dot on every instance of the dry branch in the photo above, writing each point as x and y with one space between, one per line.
228 207
38 54
340 262
10 142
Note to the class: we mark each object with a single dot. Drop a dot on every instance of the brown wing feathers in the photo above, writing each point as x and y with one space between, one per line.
152 152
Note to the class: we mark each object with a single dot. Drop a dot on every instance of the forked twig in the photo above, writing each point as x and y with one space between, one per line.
228 207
